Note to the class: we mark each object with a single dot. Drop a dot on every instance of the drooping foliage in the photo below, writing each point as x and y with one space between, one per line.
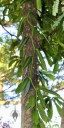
49 30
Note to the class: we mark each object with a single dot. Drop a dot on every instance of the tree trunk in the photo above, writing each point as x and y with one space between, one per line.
26 116
62 119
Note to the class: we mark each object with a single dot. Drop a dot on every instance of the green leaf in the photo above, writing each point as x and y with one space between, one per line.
50 110
50 92
42 113
12 62
20 27
40 97
13 44
27 61
19 71
27 88
63 22
50 62
48 75
59 109
39 5
56 66
42 125
35 117
32 101
21 53
1 40
22 85
46 99
61 44
24 41
4 2
55 7
41 59
14 57
34 126
60 102
57 22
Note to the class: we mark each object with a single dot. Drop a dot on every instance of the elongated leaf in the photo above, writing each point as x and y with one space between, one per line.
22 85
55 7
35 117
59 109
40 97
42 125
1 40
12 62
4 2
50 62
21 53
14 43
50 92
57 22
63 22
39 5
41 60
60 102
47 99
56 66
50 110
27 61
42 79
27 88
61 44
32 101
42 113
20 25
19 71
24 41
34 126
49 75
14 57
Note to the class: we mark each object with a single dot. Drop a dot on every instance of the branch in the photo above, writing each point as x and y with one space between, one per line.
9 102
5 90
7 24
59 89
7 31
12 102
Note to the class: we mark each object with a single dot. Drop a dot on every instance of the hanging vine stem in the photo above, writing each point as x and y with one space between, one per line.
32 84
30 23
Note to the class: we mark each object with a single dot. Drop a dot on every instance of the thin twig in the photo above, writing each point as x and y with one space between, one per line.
9 32
59 89
5 90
